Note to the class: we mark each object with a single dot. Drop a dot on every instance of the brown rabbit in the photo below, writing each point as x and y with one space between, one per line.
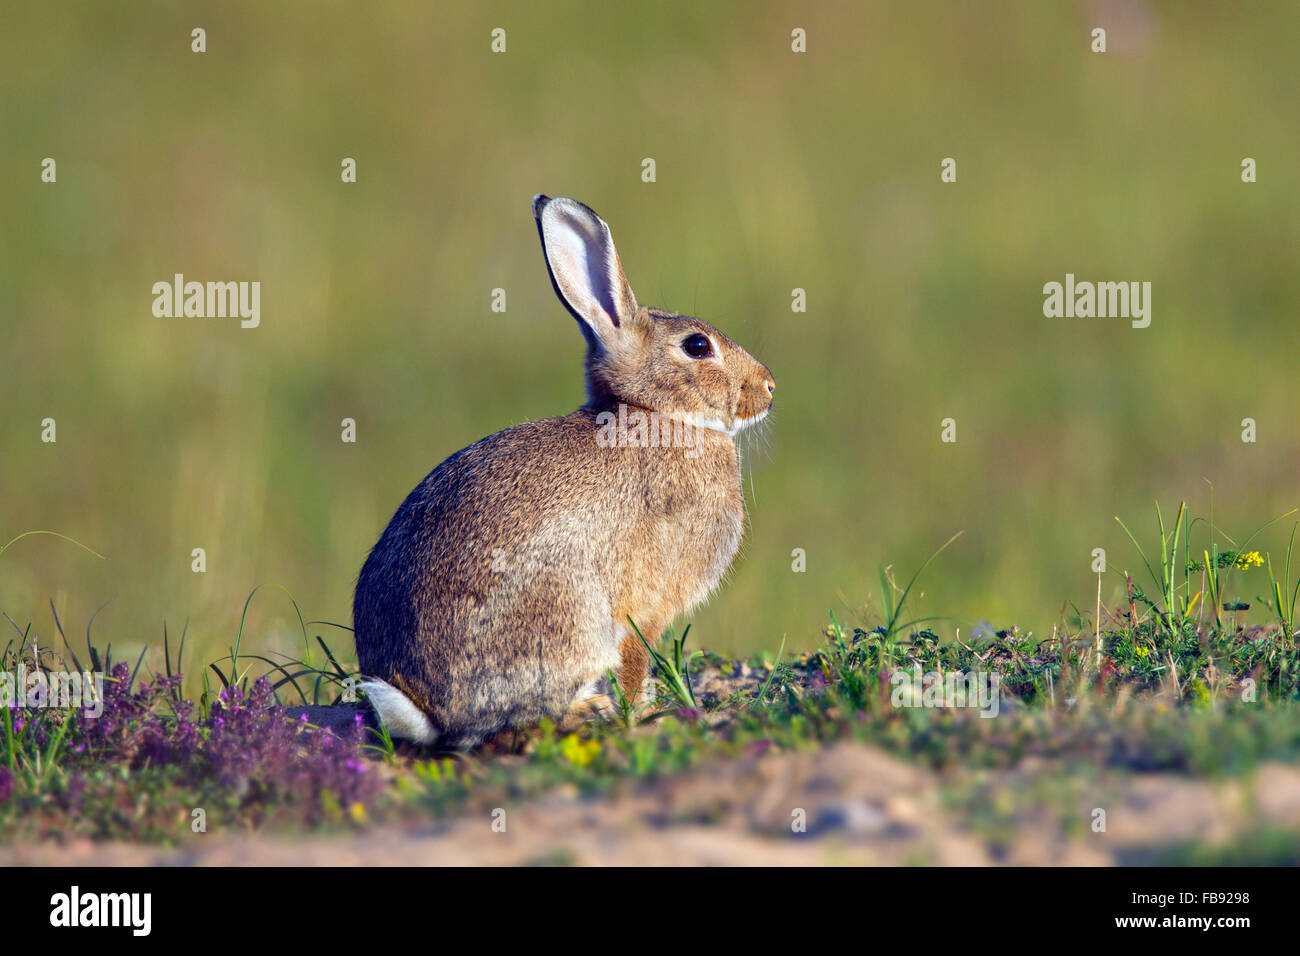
501 590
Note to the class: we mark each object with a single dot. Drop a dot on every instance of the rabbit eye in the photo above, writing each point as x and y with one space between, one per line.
697 346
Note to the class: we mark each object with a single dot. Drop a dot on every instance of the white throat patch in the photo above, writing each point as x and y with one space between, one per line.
716 425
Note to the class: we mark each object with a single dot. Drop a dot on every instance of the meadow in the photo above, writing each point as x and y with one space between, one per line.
775 171
877 219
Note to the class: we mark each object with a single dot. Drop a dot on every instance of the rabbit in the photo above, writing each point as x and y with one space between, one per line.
501 591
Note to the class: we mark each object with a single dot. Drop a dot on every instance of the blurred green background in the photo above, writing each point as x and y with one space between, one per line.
774 170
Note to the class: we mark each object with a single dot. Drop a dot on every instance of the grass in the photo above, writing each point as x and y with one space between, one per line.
673 672
776 171
1166 690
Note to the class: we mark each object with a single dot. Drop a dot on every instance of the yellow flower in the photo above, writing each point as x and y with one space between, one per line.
1249 559
357 811
579 752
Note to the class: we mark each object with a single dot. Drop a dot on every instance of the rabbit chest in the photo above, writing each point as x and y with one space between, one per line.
694 523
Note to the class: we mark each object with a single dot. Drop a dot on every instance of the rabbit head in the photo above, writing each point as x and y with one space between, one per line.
675 365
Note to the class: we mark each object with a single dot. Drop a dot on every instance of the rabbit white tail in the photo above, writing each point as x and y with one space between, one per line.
397 713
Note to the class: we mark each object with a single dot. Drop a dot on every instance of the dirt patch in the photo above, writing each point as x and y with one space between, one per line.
849 804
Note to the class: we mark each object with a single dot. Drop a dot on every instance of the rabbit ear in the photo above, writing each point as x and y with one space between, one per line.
584 267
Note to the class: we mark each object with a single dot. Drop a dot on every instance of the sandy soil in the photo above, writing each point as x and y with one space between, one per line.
860 806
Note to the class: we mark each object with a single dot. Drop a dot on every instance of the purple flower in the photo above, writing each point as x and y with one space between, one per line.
254 748
246 746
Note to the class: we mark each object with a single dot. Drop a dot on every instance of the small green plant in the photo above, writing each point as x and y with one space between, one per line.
621 702
895 611
852 662
776 664
673 675
1172 611
329 683
384 746
1175 604
1284 609
33 747
35 739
